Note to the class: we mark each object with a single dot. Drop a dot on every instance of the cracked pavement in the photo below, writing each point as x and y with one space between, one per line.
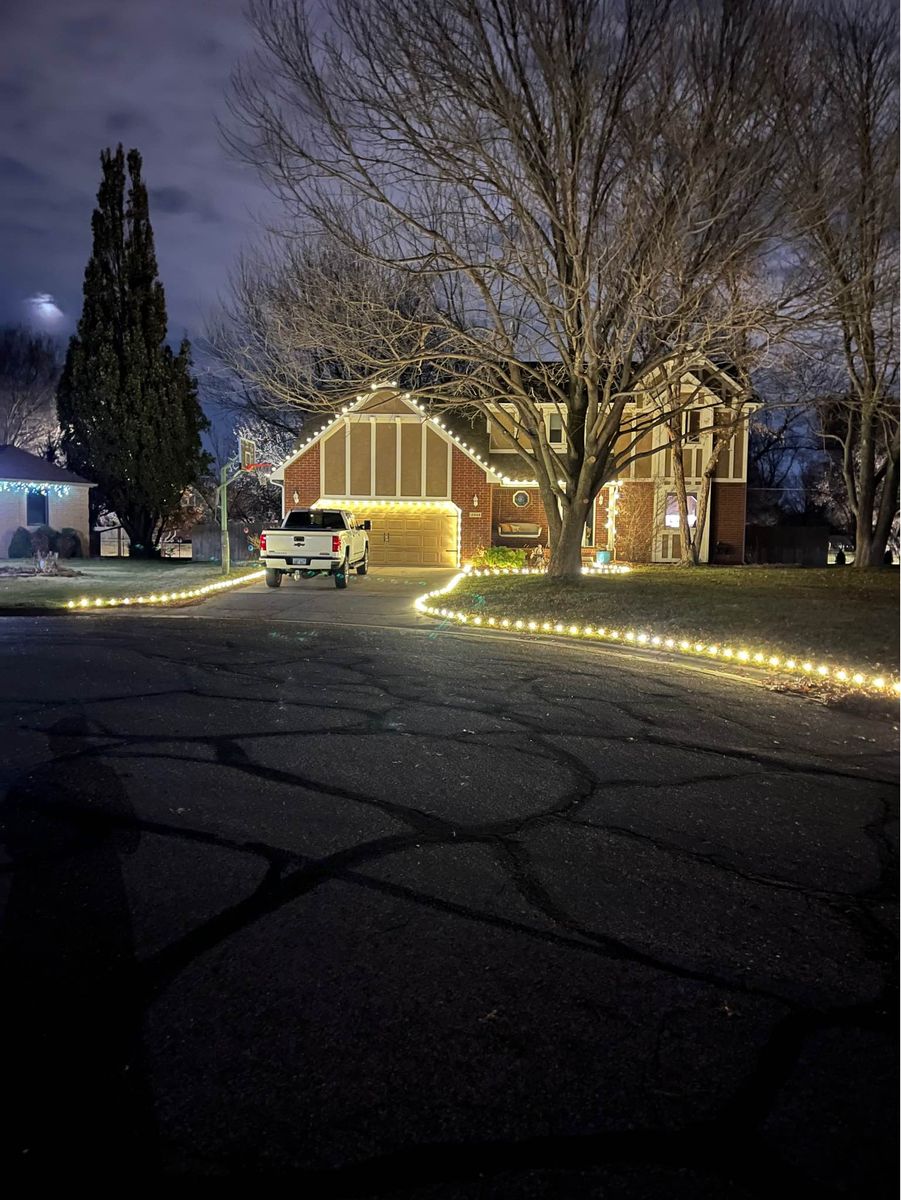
305 889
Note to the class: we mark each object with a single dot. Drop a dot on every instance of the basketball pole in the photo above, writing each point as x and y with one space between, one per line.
225 545
225 550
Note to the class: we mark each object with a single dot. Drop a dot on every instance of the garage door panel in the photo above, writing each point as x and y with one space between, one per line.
411 539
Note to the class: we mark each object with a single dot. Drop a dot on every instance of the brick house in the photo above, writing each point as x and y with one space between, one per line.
439 486
35 492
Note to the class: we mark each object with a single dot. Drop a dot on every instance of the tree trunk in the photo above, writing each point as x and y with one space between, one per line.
888 506
866 497
566 555
141 529
686 548
701 515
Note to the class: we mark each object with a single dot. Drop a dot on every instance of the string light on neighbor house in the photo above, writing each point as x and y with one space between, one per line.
647 639
24 486
165 597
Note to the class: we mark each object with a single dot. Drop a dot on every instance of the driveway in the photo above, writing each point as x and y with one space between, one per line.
302 887
383 598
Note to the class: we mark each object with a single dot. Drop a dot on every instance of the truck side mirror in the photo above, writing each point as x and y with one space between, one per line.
365 524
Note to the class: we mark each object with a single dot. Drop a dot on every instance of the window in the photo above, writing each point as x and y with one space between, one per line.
671 518
691 425
36 509
311 519
521 499
555 429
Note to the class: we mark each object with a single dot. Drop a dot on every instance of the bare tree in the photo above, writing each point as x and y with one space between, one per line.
842 188
29 370
727 420
531 203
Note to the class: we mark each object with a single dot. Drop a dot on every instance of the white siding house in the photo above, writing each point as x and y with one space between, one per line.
35 492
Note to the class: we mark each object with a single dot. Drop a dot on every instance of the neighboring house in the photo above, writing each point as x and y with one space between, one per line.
34 492
437 487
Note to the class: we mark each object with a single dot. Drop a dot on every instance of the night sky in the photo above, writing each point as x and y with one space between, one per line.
79 75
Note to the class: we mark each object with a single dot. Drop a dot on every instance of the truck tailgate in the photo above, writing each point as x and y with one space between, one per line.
281 543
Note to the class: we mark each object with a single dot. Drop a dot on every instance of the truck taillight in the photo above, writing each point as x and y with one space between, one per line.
262 541
336 543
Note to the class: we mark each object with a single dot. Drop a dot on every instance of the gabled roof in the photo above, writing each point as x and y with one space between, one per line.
369 404
22 467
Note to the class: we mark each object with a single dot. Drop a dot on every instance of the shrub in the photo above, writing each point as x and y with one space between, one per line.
20 546
498 556
44 540
68 543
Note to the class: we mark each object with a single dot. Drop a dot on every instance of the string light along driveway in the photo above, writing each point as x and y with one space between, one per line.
376 905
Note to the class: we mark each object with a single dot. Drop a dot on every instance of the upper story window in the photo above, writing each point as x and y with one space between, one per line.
691 425
555 429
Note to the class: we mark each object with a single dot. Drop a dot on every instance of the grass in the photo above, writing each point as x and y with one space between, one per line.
106 577
835 615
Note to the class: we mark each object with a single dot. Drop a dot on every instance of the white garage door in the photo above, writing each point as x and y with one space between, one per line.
399 539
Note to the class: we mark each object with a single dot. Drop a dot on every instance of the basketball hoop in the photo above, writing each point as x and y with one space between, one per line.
263 469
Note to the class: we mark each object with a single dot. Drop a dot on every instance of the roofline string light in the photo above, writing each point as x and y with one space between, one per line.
408 396
157 600
446 506
46 489
797 666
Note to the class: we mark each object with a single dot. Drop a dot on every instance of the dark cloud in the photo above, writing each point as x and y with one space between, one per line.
126 120
79 75
13 171
176 201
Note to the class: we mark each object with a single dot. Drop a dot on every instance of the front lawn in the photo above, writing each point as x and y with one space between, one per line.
106 577
836 615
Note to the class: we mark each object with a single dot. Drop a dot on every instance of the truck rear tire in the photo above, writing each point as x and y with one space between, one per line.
273 578
341 575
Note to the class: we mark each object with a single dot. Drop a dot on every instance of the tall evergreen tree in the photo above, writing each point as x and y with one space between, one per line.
128 407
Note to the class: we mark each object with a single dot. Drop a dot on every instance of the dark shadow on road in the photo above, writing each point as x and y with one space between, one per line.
75 1090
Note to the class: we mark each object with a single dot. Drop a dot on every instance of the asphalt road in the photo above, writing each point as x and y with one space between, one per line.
300 886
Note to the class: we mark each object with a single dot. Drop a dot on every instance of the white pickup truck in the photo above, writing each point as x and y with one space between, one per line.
316 541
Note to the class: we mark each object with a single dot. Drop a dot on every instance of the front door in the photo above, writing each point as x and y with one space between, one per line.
667 535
